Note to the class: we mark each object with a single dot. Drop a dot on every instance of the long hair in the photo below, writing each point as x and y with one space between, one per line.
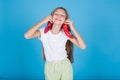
69 44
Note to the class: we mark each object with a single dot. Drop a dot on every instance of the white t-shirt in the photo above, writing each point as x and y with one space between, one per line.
54 45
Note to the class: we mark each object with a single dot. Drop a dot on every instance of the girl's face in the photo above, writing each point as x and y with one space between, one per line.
59 16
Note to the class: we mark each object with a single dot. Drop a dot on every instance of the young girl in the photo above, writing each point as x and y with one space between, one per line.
57 45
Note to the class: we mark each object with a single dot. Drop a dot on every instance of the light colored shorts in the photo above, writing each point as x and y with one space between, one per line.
58 70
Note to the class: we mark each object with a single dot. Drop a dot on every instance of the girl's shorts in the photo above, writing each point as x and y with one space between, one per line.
58 70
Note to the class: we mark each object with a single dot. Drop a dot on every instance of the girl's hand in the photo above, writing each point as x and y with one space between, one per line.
48 18
70 23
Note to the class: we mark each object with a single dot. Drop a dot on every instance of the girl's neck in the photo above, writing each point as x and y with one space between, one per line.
56 29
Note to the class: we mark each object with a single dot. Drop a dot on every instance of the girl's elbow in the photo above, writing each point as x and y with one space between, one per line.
83 47
26 36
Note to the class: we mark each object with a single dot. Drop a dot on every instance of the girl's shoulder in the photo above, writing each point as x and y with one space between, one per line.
41 30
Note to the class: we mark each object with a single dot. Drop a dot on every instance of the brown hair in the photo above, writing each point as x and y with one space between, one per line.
69 44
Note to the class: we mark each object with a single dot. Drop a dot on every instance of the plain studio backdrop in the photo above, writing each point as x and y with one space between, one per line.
98 22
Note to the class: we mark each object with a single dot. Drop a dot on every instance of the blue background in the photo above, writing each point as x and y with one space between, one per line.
98 22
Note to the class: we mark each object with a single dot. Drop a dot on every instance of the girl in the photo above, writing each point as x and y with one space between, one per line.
57 45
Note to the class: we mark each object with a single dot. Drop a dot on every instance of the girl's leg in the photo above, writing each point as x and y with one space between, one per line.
67 71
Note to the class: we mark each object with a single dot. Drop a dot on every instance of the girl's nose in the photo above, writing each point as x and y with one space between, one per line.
58 16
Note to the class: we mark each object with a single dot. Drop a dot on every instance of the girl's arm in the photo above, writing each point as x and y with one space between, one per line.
34 32
78 39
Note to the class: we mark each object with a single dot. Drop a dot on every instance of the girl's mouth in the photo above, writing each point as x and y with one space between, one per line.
57 19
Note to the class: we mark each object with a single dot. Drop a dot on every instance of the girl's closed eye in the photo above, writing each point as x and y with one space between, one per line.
63 16
55 14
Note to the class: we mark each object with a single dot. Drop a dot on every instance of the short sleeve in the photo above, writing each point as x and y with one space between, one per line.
41 33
